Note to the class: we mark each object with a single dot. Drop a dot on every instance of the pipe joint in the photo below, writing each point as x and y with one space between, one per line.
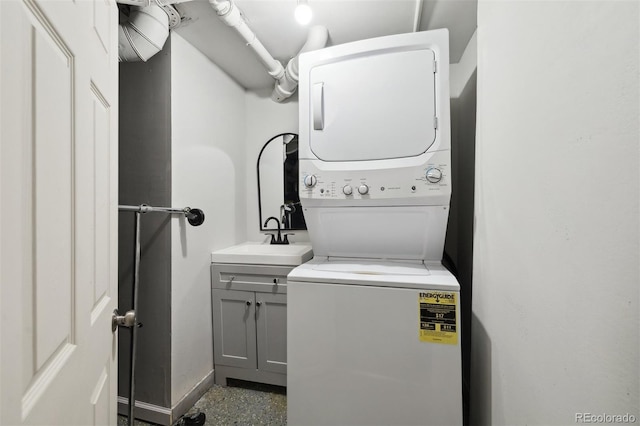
285 87
230 15
279 93
221 7
278 73
292 69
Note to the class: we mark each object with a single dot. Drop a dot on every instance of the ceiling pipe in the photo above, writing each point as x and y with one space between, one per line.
417 17
287 85
141 3
143 34
286 79
230 15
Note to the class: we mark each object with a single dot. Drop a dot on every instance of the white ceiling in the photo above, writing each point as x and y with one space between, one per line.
346 20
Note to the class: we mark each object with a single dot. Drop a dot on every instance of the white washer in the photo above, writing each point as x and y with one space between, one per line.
356 354
373 321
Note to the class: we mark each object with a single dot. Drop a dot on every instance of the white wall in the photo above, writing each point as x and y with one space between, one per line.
265 119
208 172
460 73
556 253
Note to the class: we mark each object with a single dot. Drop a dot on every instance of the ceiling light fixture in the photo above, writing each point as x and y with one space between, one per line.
303 12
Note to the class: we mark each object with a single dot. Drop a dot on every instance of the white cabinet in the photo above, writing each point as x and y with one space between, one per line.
250 322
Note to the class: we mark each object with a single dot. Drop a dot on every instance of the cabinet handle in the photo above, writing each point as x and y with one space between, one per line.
259 303
231 279
276 281
248 302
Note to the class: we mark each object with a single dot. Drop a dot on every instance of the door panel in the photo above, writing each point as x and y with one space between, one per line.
58 205
271 322
100 146
52 153
100 398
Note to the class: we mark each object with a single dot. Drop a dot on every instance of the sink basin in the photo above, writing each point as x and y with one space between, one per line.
264 254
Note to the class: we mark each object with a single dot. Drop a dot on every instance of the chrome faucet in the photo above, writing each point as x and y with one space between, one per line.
278 240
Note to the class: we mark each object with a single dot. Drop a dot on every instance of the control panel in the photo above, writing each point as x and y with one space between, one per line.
430 179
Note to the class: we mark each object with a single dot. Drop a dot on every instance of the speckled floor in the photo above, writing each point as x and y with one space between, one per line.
241 403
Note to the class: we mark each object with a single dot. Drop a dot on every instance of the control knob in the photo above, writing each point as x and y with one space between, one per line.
347 190
310 181
434 175
363 189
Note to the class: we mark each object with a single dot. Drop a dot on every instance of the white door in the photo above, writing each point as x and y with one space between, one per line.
58 205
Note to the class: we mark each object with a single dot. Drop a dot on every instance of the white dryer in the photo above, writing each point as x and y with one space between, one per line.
373 321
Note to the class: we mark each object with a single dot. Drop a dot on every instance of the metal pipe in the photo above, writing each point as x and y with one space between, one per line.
194 216
143 208
132 355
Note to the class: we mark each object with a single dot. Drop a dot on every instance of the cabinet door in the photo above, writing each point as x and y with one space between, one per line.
234 328
271 321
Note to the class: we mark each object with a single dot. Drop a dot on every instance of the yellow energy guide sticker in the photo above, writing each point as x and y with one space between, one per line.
438 317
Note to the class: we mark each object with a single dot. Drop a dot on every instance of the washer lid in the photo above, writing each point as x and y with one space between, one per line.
366 267
381 273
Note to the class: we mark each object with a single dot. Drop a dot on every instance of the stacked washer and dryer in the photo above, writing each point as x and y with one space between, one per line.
373 321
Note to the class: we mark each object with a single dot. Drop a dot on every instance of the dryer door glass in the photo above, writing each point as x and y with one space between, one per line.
373 107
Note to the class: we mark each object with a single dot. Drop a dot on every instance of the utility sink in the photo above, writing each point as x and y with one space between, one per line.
293 254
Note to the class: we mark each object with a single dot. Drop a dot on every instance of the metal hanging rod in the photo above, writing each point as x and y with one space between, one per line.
194 216
130 319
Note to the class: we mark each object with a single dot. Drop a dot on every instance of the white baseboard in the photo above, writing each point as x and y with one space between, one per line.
145 411
192 396
164 415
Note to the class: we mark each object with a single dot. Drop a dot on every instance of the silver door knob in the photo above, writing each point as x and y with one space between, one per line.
126 320
248 302
258 303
